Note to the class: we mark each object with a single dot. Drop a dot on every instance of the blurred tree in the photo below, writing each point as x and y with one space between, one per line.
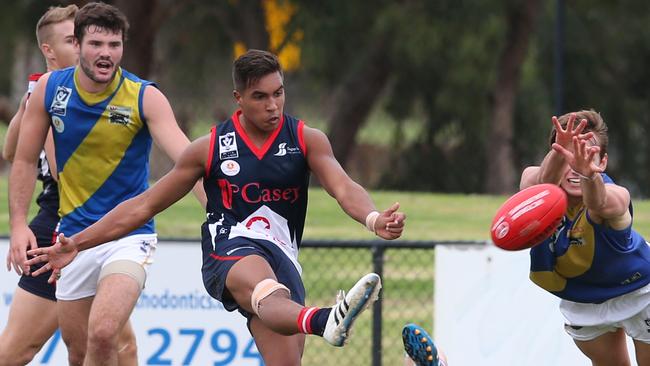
447 62
474 76
502 176
607 70
347 46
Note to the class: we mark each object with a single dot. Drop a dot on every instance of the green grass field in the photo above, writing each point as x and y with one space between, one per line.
430 216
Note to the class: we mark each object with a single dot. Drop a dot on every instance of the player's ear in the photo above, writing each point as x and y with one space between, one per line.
237 95
603 161
47 51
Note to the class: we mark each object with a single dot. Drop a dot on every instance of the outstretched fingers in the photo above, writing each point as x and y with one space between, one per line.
43 269
55 276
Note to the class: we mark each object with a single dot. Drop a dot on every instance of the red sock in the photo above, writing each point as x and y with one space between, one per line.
312 320
304 319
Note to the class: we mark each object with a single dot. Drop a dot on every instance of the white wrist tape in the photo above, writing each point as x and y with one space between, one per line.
371 219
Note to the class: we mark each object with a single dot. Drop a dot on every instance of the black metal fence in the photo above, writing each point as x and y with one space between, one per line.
407 272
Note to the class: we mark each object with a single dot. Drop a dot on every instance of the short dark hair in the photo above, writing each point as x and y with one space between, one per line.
252 66
100 15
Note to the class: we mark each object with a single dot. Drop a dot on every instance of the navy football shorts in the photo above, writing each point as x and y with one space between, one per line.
43 226
217 264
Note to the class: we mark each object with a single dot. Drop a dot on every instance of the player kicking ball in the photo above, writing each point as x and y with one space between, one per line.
256 168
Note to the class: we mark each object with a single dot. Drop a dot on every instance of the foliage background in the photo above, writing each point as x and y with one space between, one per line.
443 96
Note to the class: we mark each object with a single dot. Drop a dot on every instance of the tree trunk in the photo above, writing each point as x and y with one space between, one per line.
356 97
501 175
139 47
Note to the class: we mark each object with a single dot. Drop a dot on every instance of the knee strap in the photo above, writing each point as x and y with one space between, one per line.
262 290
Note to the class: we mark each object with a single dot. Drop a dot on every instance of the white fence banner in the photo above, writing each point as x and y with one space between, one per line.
488 313
176 322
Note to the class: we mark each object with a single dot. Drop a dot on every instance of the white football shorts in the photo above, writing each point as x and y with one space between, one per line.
631 312
79 279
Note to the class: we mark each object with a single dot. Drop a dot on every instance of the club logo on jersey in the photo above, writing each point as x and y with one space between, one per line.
228 146
58 125
284 150
119 115
230 168
61 99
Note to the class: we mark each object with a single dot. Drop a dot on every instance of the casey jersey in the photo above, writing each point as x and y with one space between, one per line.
257 193
102 146
590 263
48 199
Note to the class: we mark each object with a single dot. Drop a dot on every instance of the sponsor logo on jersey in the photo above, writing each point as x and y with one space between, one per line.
119 115
228 146
255 193
230 168
283 150
58 125
61 99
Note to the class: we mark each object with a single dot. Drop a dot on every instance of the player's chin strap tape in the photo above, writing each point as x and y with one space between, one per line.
263 289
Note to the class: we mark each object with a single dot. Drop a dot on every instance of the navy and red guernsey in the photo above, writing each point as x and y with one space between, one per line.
257 193
48 199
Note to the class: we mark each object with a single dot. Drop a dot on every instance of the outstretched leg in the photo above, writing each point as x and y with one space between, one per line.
252 283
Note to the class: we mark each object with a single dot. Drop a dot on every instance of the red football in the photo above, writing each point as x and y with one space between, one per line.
528 217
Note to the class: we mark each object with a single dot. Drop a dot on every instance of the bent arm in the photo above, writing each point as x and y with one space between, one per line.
11 139
165 130
606 202
549 171
133 213
352 198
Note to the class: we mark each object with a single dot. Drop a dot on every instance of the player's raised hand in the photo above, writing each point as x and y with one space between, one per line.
583 159
390 223
55 257
564 136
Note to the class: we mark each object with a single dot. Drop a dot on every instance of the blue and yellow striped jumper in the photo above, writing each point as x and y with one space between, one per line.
102 146
588 262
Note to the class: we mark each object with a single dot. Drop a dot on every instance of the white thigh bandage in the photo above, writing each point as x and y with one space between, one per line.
263 289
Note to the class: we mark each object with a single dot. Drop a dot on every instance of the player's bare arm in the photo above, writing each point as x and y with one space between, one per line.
11 139
22 179
352 198
165 131
130 214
